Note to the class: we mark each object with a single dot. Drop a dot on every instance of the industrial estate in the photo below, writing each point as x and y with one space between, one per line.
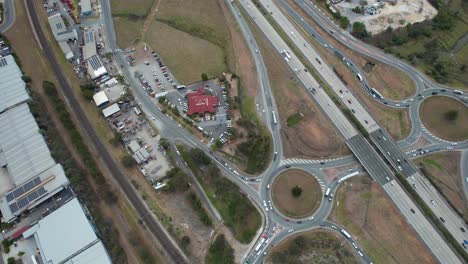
233 131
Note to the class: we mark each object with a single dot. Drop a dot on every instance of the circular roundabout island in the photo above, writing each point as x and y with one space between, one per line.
296 194
445 117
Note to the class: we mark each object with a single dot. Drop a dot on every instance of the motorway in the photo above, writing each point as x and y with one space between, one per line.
275 226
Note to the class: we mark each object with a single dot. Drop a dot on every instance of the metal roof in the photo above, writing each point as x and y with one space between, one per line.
110 110
12 86
89 48
100 98
66 236
56 24
66 49
22 146
95 67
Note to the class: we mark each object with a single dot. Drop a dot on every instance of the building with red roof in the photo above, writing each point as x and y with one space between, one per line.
200 103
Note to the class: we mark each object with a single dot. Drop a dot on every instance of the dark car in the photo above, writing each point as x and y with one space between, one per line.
442 219
287 166
412 210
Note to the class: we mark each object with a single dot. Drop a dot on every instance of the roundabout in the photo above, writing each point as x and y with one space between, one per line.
445 117
296 193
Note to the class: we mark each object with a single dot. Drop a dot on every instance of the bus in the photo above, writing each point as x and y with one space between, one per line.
376 93
259 245
327 193
274 117
346 234
359 77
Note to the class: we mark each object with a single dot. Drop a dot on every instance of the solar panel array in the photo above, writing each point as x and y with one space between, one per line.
95 63
25 201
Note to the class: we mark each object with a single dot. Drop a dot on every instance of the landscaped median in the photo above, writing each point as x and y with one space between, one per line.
236 210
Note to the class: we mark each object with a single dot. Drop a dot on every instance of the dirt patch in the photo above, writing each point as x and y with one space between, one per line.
443 169
303 205
314 136
374 221
434 114
316 246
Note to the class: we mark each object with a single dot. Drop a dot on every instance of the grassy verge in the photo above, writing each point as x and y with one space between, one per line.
236 210
198 207
311 69
314 247
433 218
294 119
220 252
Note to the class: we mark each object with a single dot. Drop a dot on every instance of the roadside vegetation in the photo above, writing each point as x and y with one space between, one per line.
445 117
443 171
237 211
74 172
320 247
367 213
220 252
434 46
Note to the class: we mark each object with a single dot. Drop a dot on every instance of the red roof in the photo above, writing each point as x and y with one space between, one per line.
199 103
19 232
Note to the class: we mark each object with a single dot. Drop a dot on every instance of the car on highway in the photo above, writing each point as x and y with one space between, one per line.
442 219
268 186
287 166
412 210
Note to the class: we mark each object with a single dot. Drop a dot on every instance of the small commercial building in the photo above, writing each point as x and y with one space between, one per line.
111 110
67 236
95 67
59 30
89 48
139 154
100 99
12 87
86 9
66 50
201 103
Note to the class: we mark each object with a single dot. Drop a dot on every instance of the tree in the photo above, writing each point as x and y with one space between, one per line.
127 160
363 2
11 260
357 10
344 22
359 30
164 143
204 77
451 115
296 191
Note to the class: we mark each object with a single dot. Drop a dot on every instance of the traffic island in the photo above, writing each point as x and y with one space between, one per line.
296 194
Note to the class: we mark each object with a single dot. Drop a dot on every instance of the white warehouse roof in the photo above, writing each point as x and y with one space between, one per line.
95 67
59 29
12 86
23 148
33 192
66 49
100 98
66 236
108 111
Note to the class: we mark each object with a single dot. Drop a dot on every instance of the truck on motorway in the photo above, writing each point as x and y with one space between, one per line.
286 55
458 92
345 233
259 245
359 77
181 87
376 93
348 176
327 193
273 113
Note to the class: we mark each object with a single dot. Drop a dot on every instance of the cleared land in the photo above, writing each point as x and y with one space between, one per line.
317 246
389 81
364 210
311 137
129 17
443 169
434 114
192 37
303 205
395 121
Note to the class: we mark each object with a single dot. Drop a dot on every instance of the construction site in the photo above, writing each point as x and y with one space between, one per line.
378 15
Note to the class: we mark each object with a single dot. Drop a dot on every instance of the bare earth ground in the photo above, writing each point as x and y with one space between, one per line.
37 67
382 77
314 136
186 55
306 203
374 221
444 170
433 112
318 255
